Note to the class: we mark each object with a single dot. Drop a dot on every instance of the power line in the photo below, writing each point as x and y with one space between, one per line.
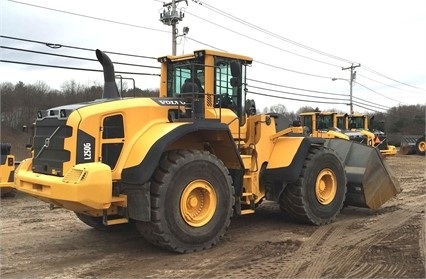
75 57
116 22
360 101
226 15
56 46
378 93
293 71
192 39
367 108
246 23
132 55
382 75
73 68
258 81
121 23
94 60
391 85
371 105
296 94
263 42
303 89
378 106
91 17
293 99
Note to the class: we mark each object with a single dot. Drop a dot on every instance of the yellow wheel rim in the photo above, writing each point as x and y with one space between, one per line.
326 186
421 146
198 203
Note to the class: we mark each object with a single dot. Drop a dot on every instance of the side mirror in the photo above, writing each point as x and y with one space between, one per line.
236 74
235 69
235 82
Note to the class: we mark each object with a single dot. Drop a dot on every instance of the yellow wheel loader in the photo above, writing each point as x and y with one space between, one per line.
325 125
180 165
7 169
360 123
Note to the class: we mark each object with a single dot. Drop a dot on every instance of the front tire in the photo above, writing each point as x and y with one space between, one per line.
318 195
191 202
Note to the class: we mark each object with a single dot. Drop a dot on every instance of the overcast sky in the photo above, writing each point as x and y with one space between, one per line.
297 46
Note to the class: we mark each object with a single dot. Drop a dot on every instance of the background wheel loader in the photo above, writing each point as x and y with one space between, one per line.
361 123
7 169
343 126
325 125
413 145
180 165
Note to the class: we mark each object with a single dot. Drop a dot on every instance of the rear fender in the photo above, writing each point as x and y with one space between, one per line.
147 150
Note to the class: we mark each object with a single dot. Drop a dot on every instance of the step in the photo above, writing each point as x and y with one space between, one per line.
117 221
120 200
247 211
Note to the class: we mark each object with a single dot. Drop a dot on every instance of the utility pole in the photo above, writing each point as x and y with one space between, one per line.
171 17
351 79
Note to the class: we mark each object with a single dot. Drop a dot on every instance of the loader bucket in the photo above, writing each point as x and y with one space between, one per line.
371 182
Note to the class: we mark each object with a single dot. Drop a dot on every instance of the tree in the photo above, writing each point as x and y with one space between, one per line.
305 109
278 108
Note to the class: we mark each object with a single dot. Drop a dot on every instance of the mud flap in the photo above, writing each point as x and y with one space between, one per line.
371 182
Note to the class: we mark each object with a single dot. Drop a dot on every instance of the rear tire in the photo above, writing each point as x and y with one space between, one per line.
11 194
191 202
404 149
420 146
319 194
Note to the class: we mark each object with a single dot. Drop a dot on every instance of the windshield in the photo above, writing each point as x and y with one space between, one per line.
325 122
356 122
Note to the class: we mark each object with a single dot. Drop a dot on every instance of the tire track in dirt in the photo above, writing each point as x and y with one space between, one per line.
321 251
319 255
422 241
368 270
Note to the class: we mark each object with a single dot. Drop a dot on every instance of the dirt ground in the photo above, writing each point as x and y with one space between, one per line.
385 243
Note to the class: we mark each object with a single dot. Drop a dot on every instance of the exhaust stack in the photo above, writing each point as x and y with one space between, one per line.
110 87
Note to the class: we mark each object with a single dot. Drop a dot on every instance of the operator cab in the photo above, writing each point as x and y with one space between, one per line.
318 121
209 82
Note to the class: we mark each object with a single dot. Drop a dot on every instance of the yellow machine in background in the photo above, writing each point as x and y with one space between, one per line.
324 125
7 169
343 126
360 122
181 164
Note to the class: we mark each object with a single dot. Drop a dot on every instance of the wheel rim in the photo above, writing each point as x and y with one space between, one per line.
326 186
198 203
421 146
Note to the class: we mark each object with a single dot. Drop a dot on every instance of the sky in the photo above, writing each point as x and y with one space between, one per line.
298 47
